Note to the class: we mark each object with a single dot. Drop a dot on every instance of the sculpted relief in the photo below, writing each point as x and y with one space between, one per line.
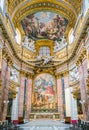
14 75
74 75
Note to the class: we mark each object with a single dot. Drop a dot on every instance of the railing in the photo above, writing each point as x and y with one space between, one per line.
44 110
4 125
81 125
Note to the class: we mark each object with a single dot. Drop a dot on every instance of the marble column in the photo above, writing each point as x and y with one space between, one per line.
60 97
71 103
21 96
74 111
0 81
82 78
15 105
67 95
28 97
5 84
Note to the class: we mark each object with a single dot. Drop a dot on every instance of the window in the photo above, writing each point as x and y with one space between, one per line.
3 6
71 36
85 6
18 36
44 51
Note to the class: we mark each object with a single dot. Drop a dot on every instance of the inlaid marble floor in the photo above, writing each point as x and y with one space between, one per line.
44 124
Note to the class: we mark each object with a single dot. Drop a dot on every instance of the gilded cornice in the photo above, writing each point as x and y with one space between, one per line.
39 70
74 83
5 56
36 6
25 74
77 41
64 73
40 43
14 5
40 5
12 89
13 84
81 35
81 57
76 91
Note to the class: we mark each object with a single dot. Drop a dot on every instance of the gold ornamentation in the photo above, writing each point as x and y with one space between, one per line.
40 43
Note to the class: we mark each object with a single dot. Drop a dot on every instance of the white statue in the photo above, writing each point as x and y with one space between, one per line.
39 57
14 75
26 41
74 75
47 59
59 45
29 44
56 46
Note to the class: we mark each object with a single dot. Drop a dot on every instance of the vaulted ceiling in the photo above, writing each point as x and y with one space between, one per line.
49 19
69 9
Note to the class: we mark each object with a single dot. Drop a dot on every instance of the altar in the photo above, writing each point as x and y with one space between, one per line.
34 116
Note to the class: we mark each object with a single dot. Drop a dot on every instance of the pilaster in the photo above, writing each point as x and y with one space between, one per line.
82 68
29 96
60 97
21 95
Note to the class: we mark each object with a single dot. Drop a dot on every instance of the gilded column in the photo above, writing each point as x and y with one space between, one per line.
5 84
82 68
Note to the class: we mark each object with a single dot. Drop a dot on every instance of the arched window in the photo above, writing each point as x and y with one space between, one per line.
18 36
71 36
44 51
85 6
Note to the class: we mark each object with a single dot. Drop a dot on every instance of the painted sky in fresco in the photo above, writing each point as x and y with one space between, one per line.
44 25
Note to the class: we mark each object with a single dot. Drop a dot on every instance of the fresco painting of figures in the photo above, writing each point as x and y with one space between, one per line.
44 25
44 91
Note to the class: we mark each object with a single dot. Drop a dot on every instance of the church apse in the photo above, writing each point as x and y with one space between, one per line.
44 94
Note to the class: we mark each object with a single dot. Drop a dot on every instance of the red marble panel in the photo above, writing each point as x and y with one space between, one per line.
28 99
82 78
21 97
66 81
60 97
5 75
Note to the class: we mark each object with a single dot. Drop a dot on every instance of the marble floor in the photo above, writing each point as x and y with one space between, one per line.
44 124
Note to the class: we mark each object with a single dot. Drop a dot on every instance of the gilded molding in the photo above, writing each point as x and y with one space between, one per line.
40 43
76 92
82 56
82 31
12 88
5 56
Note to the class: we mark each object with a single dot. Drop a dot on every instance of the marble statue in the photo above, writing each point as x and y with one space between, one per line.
29 44
60 44
74 75
14 75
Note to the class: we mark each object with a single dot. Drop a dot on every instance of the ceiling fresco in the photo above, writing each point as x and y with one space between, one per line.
44 25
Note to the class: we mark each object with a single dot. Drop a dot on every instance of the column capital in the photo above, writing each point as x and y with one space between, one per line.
82 56
6 57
